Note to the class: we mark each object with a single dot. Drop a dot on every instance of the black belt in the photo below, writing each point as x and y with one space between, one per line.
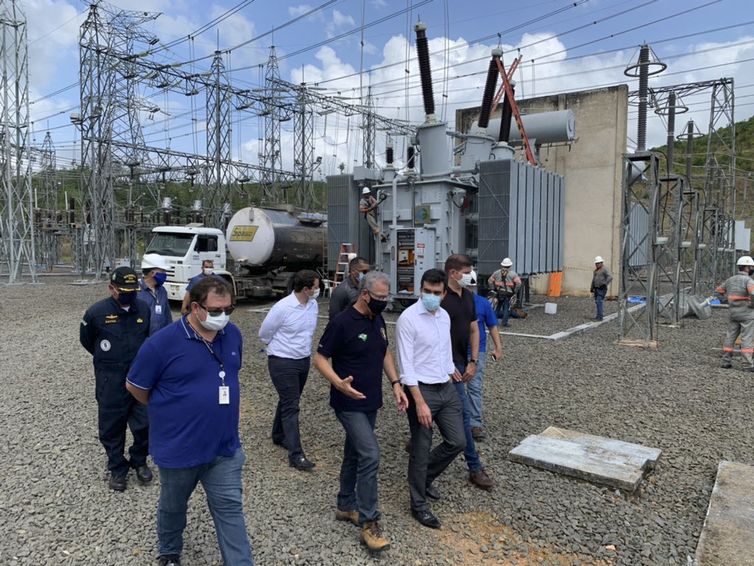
433 385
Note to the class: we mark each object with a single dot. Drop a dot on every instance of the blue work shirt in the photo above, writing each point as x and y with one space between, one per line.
187 424
159 306
196 278
485 317
357 345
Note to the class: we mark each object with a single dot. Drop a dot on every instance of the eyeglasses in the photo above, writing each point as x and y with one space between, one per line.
378 297
218 312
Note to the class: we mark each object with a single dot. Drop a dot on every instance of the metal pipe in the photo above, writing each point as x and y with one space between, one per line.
489 89
422 51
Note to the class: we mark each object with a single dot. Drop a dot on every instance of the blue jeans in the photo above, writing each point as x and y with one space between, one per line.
599 299
503 308
470 454
361 461
221 480
288 377
474 392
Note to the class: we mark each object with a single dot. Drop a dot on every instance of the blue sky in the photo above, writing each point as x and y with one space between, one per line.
565 46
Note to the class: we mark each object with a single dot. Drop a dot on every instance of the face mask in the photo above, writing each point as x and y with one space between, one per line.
376 306
215 323
208 271
126 298
431 302
465 280
315 294
361 276
160 278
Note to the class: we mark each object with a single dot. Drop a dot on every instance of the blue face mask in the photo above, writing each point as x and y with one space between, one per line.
431 302
361 276
160 278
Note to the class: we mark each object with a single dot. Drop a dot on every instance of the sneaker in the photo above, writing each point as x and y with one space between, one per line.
351 516
726 365
117 482
478 433
371 536
480 479
169 560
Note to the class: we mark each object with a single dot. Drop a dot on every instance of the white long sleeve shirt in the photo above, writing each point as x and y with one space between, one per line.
424 351
288 328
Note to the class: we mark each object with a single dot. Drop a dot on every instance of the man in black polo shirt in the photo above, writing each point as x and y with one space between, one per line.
352 354
464 332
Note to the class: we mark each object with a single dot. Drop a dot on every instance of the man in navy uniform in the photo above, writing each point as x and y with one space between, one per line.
113 330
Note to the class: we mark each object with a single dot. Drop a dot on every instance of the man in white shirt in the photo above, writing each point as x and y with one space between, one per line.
287 330
427 371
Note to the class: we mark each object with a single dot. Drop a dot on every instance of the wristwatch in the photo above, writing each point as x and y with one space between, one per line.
392 383
473 361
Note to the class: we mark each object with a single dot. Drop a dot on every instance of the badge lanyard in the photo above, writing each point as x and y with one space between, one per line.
224 391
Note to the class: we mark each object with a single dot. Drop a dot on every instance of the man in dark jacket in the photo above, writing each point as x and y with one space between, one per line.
346 293
113 330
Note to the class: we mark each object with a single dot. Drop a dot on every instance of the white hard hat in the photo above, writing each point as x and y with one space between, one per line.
507 262
153 261
599 259
473 277
745 260
365 191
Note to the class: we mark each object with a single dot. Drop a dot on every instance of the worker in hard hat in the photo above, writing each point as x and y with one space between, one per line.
505 282
367 206
154 268
601 278
739 291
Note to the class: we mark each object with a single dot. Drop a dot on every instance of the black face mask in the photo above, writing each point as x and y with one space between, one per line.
126 299
376 306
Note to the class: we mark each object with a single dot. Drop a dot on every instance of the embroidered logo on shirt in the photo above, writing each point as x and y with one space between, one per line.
138 320
362 337
111 319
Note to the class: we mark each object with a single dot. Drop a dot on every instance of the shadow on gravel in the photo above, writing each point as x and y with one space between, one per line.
479 538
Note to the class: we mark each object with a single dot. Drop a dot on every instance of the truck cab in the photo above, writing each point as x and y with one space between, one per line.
185 248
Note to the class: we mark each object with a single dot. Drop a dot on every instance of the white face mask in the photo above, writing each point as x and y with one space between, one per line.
465 280
315 294
215 323
208 271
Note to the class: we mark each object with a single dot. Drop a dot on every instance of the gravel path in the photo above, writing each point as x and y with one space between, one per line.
55 507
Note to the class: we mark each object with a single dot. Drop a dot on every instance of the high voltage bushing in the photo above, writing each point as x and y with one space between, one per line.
506 117
489 90
422 51
647 65
672 108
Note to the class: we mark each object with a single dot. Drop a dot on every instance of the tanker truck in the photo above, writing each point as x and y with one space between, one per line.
258 252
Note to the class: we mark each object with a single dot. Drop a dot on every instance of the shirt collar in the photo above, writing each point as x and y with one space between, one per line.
191 334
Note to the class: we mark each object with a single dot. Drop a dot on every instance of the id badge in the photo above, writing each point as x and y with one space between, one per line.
158 309
224 395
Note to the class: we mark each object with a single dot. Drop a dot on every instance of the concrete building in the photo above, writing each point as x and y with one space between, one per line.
592 167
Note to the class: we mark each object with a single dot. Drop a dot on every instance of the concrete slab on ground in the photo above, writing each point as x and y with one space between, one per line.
593 458
726 538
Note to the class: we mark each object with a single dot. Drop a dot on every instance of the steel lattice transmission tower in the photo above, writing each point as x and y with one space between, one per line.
369 130
273 113
16 206
109 112
47 206
219 135
303 150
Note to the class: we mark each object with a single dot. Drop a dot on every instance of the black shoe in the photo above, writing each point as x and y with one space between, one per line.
169 560
117 482
432 492
427 519
144 474
726 365
301 463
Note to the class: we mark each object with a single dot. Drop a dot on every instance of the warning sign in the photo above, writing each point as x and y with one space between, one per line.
243 233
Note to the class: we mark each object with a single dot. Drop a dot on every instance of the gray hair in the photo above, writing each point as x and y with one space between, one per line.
374 277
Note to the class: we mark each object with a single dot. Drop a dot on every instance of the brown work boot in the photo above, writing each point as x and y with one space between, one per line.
371 536
480 479
350 516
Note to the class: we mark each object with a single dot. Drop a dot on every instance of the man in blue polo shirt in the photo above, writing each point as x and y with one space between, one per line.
187 374
352 355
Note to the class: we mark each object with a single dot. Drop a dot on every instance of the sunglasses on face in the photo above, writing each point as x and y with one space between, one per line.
218 312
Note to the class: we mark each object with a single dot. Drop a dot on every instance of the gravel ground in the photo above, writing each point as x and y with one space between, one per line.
55 507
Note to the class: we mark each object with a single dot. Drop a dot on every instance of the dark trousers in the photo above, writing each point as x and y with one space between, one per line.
361 462
424 466
599 299
288 377
116 410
